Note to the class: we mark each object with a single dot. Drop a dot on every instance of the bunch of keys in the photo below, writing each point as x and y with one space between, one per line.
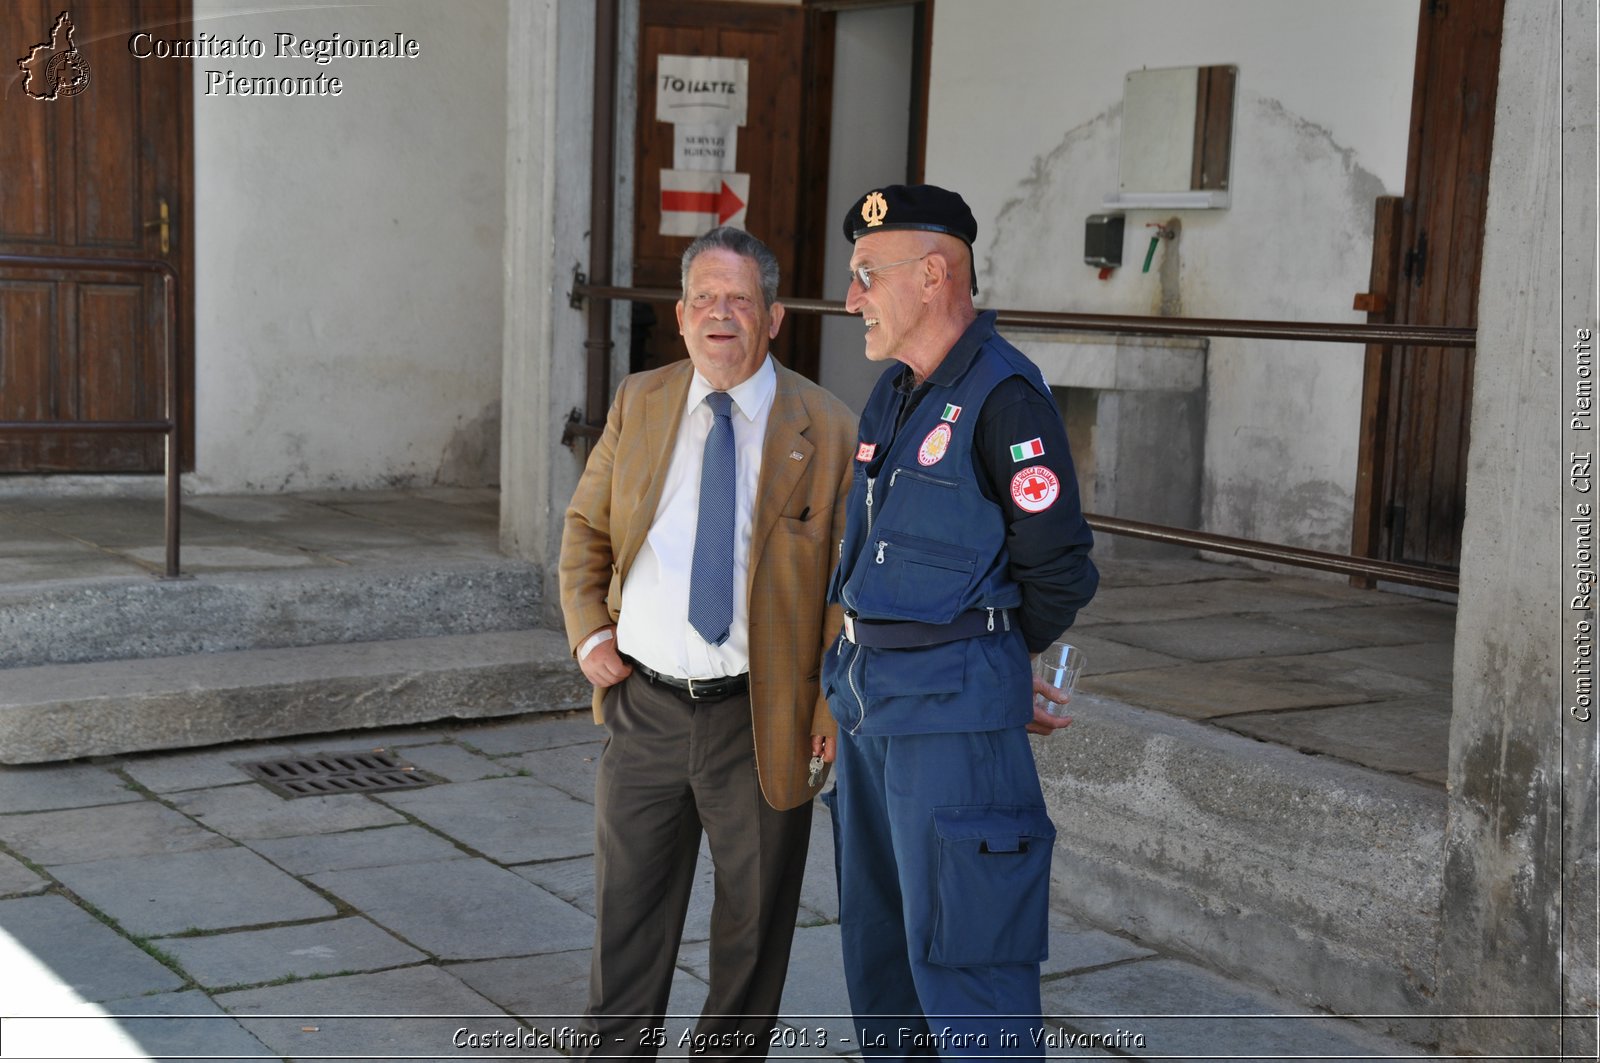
817 764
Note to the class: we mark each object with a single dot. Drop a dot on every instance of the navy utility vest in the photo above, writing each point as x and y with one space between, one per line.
922 543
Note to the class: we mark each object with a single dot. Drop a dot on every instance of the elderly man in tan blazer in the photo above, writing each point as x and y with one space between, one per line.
719 724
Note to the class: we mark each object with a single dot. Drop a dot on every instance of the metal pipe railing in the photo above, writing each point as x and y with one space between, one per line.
169 424
1130 325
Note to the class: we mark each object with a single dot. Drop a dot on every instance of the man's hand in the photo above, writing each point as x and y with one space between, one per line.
1043 722
825 747
604 666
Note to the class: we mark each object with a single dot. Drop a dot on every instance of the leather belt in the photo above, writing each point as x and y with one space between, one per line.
696 690
909 634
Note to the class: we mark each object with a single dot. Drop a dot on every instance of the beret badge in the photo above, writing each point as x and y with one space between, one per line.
874 210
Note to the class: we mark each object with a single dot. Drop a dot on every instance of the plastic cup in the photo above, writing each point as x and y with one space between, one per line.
1059 665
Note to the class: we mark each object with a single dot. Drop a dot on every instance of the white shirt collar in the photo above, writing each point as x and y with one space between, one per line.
752 396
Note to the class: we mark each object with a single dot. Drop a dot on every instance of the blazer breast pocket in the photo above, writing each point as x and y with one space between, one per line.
814 527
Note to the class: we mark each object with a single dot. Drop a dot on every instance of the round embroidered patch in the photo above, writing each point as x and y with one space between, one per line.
1035 489
934 445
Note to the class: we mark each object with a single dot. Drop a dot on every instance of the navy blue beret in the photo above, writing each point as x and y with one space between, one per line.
926 207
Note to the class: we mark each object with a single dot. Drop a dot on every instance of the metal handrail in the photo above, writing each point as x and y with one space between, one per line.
1130 325
168 425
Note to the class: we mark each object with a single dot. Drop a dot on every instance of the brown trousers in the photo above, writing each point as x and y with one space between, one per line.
669 770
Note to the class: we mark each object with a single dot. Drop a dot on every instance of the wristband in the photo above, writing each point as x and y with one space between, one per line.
594 640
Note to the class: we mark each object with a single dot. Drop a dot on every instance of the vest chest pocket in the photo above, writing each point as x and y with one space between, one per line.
908 577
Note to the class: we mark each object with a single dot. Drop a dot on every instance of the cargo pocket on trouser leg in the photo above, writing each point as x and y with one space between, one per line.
993 885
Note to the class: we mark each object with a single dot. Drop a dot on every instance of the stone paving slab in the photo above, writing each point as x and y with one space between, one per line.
54 953
17 878
1184 1011
1407 735
78 835
463 909
525 734
1075 947
371 739
251 812
196 559
542 989
250 957
1428 662
1219 638
35 788
166 773
454 763
186 1025
1189 600
173 892
1108 652
820 1006
114 523
44 566
570 769
1222 688
573 882
381 847
508 820
1344 669
819 890
1127 572
297 1021
1386 622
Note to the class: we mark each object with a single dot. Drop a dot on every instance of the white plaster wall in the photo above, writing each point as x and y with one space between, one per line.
348 254
1025 119
867 147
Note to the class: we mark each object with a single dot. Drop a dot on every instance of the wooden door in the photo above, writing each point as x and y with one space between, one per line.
783 147
1418 399
87 167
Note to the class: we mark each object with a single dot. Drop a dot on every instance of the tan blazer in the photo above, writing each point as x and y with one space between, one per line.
805 465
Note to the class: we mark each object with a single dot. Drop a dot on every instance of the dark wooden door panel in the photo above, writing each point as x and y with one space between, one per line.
772 38
1419 437
89 175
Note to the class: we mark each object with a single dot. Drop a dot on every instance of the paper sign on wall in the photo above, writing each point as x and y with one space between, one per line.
693 201
702 90
705 147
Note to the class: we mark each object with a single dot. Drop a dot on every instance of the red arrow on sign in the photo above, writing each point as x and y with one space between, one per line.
724 204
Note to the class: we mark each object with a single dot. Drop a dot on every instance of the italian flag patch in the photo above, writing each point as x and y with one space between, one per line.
950 413
1033 448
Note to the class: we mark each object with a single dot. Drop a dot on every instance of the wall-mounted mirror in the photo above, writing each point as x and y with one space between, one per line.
1177 137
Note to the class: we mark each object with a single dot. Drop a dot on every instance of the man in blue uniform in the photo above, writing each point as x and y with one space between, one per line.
965 553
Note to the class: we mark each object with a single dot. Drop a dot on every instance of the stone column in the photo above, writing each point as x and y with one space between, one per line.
1517 919
549 122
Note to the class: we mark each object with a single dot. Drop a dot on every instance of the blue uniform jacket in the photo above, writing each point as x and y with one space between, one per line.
922 542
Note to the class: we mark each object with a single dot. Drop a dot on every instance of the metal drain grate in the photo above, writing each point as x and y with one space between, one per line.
337 773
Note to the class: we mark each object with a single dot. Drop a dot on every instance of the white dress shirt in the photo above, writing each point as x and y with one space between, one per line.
654 625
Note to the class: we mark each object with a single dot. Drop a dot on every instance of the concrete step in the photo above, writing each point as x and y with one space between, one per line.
63 711
73 621
1269 864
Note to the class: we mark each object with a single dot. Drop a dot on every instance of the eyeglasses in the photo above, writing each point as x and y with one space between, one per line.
864 273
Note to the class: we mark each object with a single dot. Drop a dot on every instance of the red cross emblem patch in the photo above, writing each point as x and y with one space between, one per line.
1035 489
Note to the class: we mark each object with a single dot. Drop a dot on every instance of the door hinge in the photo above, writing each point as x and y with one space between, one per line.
1416 261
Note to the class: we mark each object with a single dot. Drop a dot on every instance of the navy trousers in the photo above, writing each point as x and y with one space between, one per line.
943 848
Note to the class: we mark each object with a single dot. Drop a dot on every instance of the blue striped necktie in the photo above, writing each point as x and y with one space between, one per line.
711 577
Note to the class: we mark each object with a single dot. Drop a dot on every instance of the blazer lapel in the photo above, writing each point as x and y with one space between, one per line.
785 456
663 409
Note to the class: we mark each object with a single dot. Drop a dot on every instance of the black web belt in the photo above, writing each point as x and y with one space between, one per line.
909 634
694 689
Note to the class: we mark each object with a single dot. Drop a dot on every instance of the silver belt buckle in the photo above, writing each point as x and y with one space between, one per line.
850 627
692 695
